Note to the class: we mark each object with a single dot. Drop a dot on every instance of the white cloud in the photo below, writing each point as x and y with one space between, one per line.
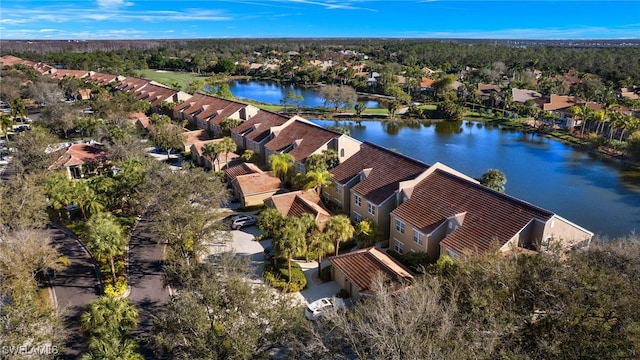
110 4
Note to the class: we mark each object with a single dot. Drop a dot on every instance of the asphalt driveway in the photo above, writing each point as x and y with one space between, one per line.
243 243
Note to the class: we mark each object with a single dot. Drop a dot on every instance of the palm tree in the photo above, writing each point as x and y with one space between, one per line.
617 121
322 245
105 239
6 124
600 117
282 164
316 179
227 146
310 228
583 113
494 179
209 150
112 346
290 242
339 229
109 315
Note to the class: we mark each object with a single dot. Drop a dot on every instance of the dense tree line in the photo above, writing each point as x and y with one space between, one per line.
617 65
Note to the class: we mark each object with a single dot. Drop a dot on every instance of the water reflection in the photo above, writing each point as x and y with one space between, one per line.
272 92
583 188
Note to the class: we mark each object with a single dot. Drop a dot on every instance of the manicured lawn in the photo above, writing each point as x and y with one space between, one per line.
169 77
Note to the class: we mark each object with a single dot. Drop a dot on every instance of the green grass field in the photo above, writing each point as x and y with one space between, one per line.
169 77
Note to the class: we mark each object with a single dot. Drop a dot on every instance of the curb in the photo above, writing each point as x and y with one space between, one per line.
96 268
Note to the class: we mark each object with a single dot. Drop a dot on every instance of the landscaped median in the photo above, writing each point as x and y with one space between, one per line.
278 277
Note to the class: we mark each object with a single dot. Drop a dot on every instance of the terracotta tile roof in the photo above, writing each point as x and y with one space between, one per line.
388 169
132 84
260 125
489 216
101 78
426 82
297 203
9 60
64 73
141 118
226 112
307 138
361 267
257 183
195 136
79 154
241 169
562 102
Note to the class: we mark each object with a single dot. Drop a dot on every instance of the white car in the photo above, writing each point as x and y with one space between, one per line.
239 221
320 307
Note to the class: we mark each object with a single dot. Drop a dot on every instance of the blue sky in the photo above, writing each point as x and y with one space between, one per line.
159 19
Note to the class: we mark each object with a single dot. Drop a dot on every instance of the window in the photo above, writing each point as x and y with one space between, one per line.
399 226
301 168
358 200
417 237
398 246
342 152
338 189
356 217
371 208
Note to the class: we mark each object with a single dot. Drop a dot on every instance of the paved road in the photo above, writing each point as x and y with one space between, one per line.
74 287
146 280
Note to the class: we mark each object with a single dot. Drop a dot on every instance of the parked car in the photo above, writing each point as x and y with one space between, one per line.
240 221
323 306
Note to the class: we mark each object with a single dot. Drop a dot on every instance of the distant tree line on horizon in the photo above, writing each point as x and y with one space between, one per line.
618 66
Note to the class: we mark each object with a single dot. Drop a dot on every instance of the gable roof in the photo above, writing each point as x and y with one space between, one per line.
301 139
522 95
241 169
80 154
192 137
259 126
361 267
561 102
257 183
489 216
387 170
297 203
65 73
132 84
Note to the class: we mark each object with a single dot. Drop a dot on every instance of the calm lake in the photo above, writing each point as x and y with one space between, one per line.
271 92
588 191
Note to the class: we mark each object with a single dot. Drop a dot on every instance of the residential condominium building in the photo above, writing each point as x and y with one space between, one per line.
368 184
448 214
302 139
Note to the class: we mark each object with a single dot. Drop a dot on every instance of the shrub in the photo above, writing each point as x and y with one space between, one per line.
116 290
278 278
325 273
385 244
633 145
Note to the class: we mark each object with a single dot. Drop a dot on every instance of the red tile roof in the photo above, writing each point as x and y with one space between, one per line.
490 217
388 169
257 183
132 84
101 79
297 203
260 125
361 267
80 154
65 73
307 138
195 136
241 169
